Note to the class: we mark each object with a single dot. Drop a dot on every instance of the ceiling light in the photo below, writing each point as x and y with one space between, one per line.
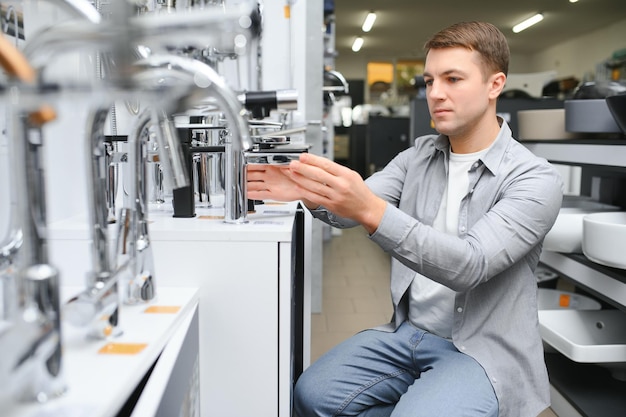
358 43
369 22
527 23
573 1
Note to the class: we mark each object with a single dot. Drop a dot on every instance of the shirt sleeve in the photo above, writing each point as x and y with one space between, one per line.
517 208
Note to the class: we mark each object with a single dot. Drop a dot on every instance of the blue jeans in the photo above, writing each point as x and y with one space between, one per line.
407 373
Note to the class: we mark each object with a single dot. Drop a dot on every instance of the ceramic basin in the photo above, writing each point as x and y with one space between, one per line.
604 238
567 233
588 336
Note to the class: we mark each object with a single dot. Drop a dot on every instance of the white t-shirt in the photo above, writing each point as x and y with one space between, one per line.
432 304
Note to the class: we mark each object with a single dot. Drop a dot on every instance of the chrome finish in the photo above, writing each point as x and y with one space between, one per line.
284 132
225 29
209 87
269 158
287 99
96 308
111 181
79 8
335 82
30 369
133 247
171 157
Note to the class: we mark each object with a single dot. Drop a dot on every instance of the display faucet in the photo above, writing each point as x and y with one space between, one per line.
30 341
209 89
133 246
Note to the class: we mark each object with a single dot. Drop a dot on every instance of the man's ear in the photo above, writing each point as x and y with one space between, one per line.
497 82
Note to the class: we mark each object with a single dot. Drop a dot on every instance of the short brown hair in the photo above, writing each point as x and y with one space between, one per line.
482 37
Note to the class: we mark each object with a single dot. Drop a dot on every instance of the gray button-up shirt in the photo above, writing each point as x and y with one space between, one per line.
513 200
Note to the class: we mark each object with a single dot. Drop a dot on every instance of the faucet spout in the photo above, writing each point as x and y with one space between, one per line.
171 155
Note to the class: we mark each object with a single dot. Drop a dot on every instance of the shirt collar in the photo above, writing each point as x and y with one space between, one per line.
496 152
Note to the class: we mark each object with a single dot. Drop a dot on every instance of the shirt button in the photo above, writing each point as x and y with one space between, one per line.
471 191
493 380
462 348
459 309
463 229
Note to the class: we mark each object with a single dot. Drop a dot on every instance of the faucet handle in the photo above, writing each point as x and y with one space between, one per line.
14 62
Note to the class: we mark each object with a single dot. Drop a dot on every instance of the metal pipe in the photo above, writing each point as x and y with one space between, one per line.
227 29
133 240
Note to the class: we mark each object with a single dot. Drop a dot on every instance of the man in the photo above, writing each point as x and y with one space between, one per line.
463 215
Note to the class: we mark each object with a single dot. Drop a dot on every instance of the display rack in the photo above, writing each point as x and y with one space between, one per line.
592 392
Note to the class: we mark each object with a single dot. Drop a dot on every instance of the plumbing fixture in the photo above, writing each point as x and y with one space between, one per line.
30 341
133 246
209 89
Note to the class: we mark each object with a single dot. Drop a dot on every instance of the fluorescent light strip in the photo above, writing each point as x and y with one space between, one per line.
527 23
358 43
369 22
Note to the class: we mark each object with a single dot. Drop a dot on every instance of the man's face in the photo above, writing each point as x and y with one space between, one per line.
456 90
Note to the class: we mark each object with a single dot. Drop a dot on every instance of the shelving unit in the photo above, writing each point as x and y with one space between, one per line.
601 152
587 390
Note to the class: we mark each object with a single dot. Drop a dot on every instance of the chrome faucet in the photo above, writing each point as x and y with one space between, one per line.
30 340
30 369
133 247
209 89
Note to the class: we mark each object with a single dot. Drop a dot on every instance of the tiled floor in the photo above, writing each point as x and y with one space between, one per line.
355 291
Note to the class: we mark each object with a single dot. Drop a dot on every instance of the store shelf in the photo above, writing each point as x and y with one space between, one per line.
608 284
588 388
604 152
103 383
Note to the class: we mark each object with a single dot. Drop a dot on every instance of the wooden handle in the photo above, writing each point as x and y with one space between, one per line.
42 116
14 62
16 65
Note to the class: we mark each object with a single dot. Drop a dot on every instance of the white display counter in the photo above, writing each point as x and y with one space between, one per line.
102 375
246 275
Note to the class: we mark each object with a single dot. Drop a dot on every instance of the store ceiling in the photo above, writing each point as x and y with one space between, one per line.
402 26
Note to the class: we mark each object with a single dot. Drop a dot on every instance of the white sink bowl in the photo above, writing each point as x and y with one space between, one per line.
604 238
587 336
566 234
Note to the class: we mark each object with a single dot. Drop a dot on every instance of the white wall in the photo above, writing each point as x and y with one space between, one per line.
580 55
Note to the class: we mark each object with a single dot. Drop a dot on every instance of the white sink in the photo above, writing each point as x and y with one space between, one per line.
604 238
566 235
588 336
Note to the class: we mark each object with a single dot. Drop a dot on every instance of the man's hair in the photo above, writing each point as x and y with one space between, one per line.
484 38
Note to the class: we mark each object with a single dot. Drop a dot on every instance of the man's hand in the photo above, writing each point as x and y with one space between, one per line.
271 182
318 181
